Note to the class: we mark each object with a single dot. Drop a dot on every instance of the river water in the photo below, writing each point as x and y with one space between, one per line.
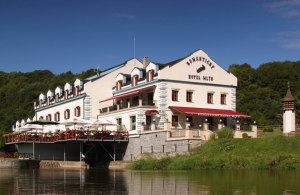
66 181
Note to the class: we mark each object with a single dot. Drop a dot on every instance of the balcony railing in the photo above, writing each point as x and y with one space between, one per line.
125 106
65 136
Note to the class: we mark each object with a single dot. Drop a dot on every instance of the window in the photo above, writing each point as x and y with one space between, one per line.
174 120
210 96
77 111
150 75
41 118
66 94
174 95
189 96
67 114
56 97
57 116
135 80
132 122
48 117
119 123
223 98
119 85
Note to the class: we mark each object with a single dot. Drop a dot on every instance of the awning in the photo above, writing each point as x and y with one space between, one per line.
131 93
151 112
209 112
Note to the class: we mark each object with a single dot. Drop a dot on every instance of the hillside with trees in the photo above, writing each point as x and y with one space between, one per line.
19 90
259 91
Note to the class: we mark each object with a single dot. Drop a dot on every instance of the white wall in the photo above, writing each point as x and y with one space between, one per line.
61 108
214 73
101 88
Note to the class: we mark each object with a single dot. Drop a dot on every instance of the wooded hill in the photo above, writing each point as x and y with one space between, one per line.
19 90
259 91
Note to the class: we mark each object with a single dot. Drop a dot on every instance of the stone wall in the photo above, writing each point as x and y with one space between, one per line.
17 163
155 143
49 164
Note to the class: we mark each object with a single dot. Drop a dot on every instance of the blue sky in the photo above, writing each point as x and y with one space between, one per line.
63 35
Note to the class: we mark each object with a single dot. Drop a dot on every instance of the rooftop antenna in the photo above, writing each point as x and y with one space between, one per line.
134 49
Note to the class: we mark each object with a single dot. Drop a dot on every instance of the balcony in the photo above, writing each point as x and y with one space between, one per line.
129 105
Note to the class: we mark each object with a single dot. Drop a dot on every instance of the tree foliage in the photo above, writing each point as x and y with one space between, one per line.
19 90
260 91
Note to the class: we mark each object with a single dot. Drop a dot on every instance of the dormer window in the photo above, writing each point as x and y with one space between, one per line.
66 94
119 85
56 97
76 91
150 75
135 80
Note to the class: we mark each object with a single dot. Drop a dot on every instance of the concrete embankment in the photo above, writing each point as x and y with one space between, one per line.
119 164
19 163
49 164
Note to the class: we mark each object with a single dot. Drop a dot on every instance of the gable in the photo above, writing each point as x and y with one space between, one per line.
198 67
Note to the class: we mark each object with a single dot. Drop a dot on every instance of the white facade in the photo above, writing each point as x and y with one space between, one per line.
151 90
141 96
289 121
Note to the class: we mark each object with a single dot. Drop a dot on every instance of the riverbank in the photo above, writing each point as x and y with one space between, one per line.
19 163
276 152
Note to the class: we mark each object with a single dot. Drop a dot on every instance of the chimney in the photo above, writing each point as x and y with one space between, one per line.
145 62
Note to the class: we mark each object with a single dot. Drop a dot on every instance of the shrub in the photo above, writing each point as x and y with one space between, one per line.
268 129
225 133
245 135
213 136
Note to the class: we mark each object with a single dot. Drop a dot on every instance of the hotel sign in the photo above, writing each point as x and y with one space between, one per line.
205 63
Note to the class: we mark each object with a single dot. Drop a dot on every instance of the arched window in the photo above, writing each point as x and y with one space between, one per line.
41 118
77 111
67 114
48 117
57 116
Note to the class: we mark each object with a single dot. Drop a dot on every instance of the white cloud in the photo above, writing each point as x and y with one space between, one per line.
289 40
125 16
285 8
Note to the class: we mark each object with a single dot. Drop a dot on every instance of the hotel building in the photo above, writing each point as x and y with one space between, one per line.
168 105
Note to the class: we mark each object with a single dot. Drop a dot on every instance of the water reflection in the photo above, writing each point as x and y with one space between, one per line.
66 181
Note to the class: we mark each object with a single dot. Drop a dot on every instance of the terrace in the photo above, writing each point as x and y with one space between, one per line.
65 136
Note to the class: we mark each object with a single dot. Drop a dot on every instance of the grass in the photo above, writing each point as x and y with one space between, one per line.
271 152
